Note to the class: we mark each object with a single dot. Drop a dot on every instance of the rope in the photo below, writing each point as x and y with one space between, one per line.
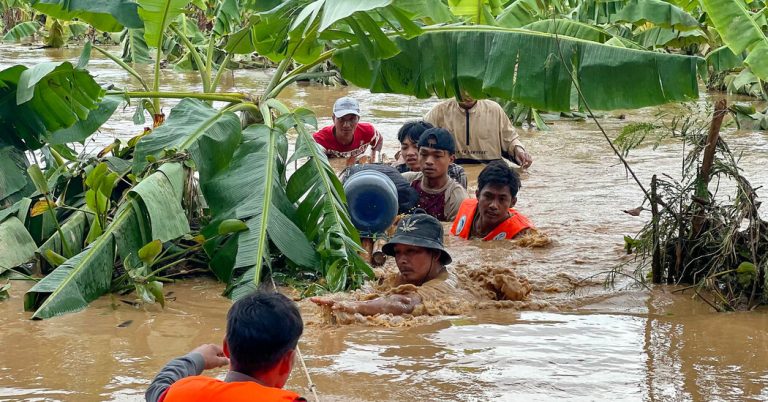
312 386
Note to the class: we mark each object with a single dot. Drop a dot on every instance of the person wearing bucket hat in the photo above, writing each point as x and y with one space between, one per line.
348 137
421 260
439 194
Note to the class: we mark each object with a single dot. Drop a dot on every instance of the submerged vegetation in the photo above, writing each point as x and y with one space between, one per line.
709 237
206 188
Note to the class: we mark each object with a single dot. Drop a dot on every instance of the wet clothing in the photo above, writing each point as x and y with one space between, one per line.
483 133
442 295
462 225
442 203
365 135
180 380
455 172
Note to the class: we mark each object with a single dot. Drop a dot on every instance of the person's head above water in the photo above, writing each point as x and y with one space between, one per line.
409 135
263 330
497 187
418 248
346 115
436 152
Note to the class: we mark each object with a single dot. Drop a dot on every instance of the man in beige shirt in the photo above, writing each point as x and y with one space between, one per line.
481 129
423 280
439 194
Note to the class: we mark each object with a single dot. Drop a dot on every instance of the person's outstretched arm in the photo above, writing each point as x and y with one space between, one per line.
396 304
204 357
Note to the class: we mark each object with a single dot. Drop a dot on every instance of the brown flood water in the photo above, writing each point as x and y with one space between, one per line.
579 341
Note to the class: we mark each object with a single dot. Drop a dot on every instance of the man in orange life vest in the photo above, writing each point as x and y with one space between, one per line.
491 216
263 330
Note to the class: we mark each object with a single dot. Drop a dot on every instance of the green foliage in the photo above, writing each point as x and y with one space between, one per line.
21 31
661 13
740 32
157 16
429 65
18 246
135 49
570 28
45 98
107 16
87 275
632 136
100 182
14 183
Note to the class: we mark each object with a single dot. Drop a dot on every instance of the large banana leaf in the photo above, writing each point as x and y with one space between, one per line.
18 246
660 13
21 30
135 47
43 99
526 67
87 275
723 59
433 11
477 11
322 210
667 37
82 129
74 229
301 30
253 189
521 13
167 220
740 32
157 15
572 28
104 15
210 136
13 175
227 17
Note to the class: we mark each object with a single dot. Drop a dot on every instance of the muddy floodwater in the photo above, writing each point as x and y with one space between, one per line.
579 340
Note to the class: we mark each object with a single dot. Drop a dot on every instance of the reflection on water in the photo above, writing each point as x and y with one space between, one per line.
603 345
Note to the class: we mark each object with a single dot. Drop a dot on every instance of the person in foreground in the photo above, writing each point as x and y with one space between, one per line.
347 137
421 261
491 216
408 160
263 330
482 130
439 195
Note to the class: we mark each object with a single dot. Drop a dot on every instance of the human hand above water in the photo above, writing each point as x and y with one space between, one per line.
213 355
522 157
335 305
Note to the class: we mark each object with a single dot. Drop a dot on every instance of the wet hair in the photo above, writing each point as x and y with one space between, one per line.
412 130
499 173
261 328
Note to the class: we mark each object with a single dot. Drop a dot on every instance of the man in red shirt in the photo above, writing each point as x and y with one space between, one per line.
347 137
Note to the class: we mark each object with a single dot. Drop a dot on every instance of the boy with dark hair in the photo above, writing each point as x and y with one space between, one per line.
348 137
491 216
408 160
439 195
263 330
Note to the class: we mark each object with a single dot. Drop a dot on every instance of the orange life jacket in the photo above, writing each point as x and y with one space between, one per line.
205 389
462 225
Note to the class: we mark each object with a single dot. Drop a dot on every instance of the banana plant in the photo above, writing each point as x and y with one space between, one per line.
257 217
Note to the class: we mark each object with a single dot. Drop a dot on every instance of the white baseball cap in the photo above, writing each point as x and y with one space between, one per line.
345 106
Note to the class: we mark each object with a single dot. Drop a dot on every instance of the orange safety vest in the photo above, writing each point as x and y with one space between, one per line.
205 389
462 225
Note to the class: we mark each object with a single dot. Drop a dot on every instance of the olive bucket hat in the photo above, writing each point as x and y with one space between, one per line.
420 230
